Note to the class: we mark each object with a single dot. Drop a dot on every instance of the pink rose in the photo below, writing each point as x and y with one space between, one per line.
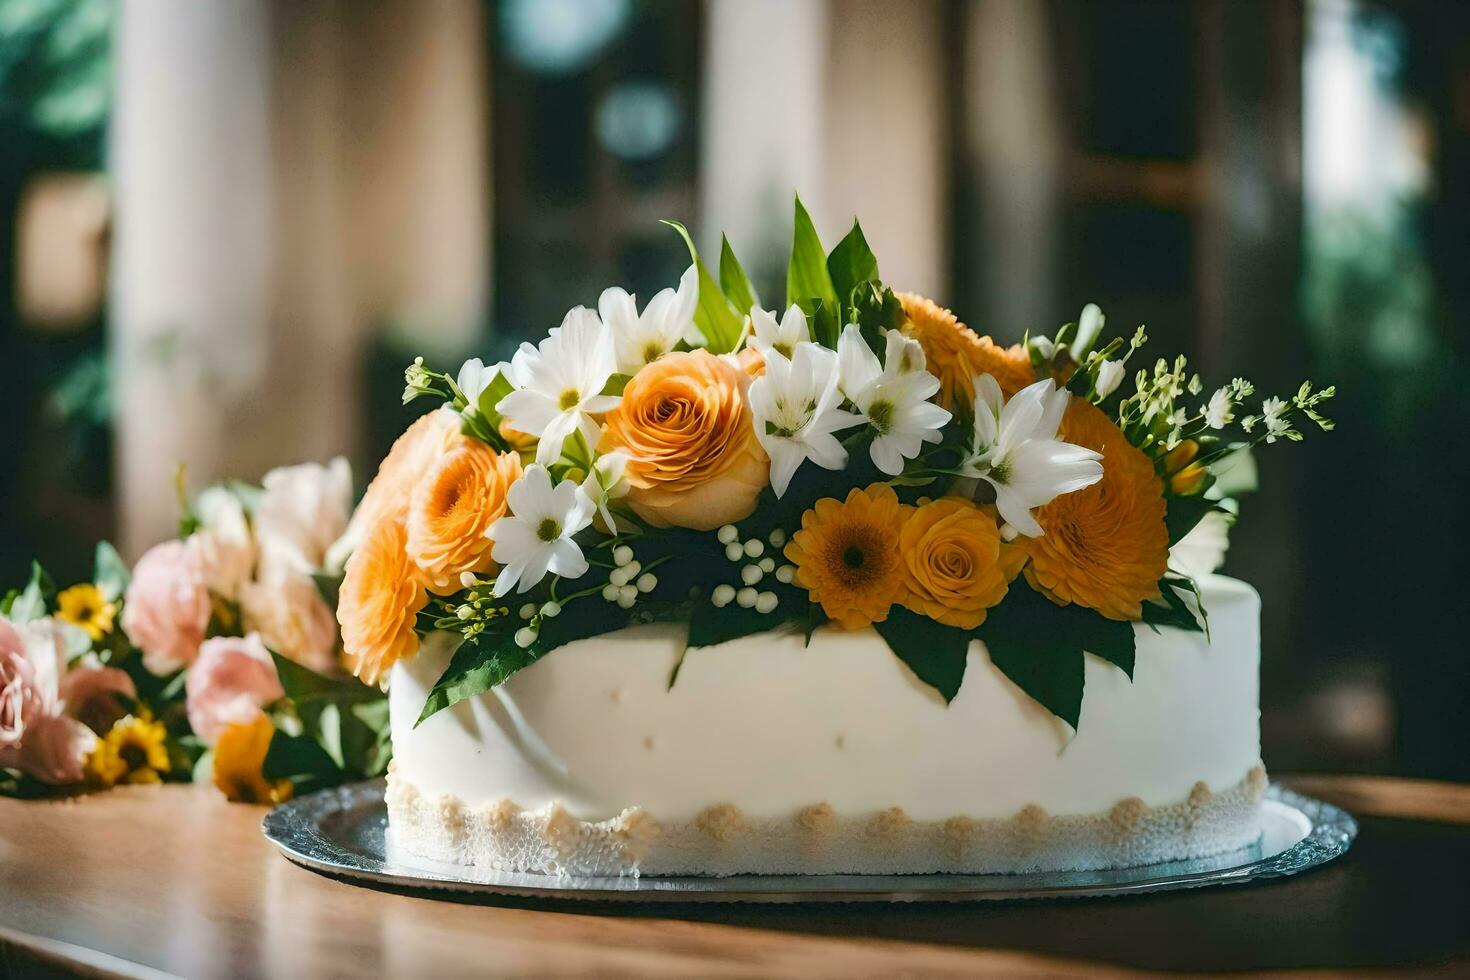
231 681
91 694
287 609
36 737
166 607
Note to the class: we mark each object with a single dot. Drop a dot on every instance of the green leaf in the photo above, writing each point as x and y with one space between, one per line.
733 280
328 586
302 684
876 308
851 263
934 652
490 659
1049 672
1114 641
1184 513
109 573
807 277
298 758
1171 609
711 625
31 603
714 315
497 389
822 321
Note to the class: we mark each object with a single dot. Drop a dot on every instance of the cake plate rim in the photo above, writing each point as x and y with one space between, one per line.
341 832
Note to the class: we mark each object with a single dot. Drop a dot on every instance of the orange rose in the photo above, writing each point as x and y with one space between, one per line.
693 458
955 354
379 602
452 507
952 557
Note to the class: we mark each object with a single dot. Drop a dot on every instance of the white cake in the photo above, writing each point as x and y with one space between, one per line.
769 756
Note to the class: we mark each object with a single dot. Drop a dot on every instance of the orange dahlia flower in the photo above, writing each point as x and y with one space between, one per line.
693 457
387 497
1106 546
380 599
951 552
955 353
452 507
847 555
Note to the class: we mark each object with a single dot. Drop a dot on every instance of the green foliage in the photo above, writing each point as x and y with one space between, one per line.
809 284
328 730
31 602
715 317
1183 513
1171 609
109 573
851 263
934 652
493 657
733 280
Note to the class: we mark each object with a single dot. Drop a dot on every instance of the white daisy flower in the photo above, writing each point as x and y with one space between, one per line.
1015 449
894 401
536 537
559 384
474 377
794 407
667 319
1220 411
1273 413
767 334
607 483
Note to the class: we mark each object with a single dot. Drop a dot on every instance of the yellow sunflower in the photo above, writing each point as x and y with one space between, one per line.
847 557
134 751
85 606
239 757
955 354
1105 547
378 604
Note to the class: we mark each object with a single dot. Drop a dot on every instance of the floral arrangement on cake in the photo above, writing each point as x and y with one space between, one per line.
861 460
216 657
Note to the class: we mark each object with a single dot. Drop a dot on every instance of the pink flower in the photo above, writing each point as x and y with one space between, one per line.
231 681
36 737
166 608
287 609
91 694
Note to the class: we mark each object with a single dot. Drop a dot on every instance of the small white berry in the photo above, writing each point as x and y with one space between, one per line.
525 636
746 597
610 592
727 534
619 576
528 610
647 582
777 538
767 564
622 554
633 568
465 611
733 551
468 580
551 610
766 602
754 548
785 574
751 574
722 595
627 595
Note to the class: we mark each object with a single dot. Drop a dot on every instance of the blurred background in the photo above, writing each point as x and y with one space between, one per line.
225 226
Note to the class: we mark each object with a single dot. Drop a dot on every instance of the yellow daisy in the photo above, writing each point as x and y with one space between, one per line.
847 556
239 757
134 751
85 606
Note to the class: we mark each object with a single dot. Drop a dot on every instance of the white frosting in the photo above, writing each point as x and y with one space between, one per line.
772 727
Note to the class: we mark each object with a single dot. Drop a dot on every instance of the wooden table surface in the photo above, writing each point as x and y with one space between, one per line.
173 881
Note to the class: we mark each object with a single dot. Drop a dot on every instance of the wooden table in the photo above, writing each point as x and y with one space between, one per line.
174 881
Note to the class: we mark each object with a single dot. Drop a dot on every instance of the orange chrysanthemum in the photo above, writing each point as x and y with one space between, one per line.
956 354
951 552
846 555
386 498
380 599
1105 547
452 507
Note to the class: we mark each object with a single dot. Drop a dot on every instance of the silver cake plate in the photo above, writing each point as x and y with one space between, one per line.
344 832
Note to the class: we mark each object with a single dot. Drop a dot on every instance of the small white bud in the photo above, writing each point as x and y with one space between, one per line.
766 602
647 582
528 610
722 595
767 564
727 534
1007 533
1109 376
751 574
465 611
468 580
746 597
620 576
525 636
622 554
551 610
785 574
777 538
733 551
754 548
610 592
